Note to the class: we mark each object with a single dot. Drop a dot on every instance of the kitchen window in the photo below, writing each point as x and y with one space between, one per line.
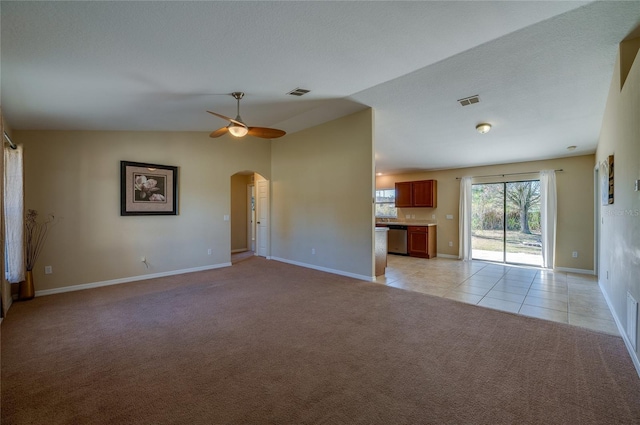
386 203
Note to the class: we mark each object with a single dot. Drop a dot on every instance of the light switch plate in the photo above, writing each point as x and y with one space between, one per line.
449 216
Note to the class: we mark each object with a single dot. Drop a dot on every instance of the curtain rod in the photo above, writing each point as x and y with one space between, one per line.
506 174
13 145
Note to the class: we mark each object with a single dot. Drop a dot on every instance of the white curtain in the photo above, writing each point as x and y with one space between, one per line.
548 206
13 215
465 219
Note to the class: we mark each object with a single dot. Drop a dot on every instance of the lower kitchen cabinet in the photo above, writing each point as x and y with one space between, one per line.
421 241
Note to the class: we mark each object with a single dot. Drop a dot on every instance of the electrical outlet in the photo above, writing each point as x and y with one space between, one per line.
433 216
449 216
313 251
209 251
225 217
450 243
574 254
48 270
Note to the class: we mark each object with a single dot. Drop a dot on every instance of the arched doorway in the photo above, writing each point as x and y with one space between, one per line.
249 215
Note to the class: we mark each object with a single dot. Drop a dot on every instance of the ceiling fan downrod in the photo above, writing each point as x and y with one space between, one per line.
238 95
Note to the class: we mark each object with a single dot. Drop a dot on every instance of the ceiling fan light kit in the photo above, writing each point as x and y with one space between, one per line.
238 128
483 128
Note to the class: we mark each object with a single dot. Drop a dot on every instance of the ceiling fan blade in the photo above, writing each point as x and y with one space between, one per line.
228 119
219 132
266 133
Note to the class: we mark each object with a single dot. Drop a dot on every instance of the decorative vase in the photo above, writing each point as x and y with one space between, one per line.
27 290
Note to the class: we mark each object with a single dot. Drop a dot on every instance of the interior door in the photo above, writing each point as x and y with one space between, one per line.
262 222
251 215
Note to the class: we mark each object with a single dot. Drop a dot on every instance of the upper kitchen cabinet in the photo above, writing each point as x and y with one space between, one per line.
422 193
404 194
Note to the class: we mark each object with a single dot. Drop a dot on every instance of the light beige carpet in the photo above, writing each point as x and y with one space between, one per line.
264 342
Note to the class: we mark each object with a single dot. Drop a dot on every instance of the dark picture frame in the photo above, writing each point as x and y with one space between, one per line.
611 186
148 189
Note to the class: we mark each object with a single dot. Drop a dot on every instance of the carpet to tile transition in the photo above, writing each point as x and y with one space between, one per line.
268 342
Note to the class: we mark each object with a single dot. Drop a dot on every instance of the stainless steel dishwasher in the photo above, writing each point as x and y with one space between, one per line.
397 239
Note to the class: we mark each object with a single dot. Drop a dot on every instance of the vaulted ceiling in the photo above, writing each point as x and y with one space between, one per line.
541 70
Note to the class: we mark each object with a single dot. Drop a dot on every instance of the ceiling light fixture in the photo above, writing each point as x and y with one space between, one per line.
483 127
572 147
237 130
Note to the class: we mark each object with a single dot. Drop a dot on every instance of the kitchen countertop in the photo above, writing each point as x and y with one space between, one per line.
405 223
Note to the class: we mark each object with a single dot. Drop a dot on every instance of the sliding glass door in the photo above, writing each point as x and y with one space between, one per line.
487 222
505 222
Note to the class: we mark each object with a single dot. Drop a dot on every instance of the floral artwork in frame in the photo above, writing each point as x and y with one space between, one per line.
148 189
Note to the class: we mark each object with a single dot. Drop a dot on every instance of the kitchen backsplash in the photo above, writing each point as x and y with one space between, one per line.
409 215
406 220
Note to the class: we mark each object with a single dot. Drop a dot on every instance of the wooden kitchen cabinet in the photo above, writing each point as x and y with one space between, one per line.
421 193
421 241
404 194
424 193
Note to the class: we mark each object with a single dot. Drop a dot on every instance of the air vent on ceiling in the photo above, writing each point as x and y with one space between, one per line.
469 100
298 92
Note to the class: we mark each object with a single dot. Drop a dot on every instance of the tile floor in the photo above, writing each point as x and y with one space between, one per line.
570 298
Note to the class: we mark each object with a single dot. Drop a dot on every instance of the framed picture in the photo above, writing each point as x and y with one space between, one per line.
148 189
610 191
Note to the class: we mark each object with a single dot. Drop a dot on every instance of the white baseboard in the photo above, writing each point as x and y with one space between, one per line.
623 333
126 280
446 256
325 269
570 270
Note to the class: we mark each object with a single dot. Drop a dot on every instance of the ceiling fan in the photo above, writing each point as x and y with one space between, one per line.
238 128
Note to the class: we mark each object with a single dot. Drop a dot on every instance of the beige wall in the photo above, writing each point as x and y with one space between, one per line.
322 197
575 204
76 176
322 192
619 266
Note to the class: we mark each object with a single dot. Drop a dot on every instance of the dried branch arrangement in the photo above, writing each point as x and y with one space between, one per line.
35 235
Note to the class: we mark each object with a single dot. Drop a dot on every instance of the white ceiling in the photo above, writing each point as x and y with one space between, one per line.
542 70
